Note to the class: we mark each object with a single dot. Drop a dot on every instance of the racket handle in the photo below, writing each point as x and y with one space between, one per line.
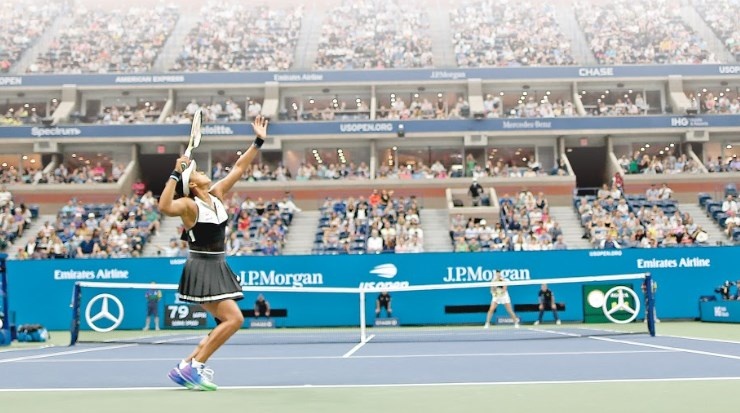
187 153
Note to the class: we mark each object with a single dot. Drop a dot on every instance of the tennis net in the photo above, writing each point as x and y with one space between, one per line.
587 306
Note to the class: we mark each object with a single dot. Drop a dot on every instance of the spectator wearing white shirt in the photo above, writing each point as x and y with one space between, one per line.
374 243
665 192
729 206
6 198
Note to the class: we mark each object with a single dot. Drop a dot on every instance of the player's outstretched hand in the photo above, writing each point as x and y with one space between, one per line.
260 126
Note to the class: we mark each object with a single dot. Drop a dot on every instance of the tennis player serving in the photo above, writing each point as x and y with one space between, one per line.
500 296
206 278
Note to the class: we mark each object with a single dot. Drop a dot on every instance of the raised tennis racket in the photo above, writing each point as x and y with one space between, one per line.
195 134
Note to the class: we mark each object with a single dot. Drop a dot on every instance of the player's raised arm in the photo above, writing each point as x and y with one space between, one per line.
220 188
167 204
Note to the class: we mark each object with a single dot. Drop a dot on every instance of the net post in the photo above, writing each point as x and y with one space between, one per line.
363 324
650 304
74 327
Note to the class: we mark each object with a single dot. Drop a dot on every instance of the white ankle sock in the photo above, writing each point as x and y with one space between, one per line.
196 364
182 364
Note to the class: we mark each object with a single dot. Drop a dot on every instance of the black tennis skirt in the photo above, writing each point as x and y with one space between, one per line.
207 278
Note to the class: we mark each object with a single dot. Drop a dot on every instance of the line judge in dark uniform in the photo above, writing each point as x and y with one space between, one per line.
547 300
261 307
383 302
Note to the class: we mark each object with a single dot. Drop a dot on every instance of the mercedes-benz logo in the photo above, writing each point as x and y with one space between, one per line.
104 313
622 304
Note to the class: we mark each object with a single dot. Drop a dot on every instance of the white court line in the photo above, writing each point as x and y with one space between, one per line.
655 346
393 356
63 353
712 340
385 385
9 350
357 347
679 349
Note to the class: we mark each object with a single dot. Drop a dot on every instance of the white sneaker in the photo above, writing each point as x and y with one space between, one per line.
516 324
657 320
537 322
557 322
486 325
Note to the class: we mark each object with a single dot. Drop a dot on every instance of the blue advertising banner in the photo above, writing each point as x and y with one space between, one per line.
370 76
722 311
41 291
381 127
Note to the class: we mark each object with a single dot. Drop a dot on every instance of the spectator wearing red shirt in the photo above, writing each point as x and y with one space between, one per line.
139 187
244 221
98 173
374 198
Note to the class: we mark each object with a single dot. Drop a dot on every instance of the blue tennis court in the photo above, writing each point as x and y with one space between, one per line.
435 376
634 357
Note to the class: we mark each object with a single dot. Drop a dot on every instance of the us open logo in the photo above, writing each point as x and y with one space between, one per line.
385 271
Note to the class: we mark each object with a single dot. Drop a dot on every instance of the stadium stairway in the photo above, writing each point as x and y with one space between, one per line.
714 44
300 237
435 223
571 226
307 47
566 18
439 31
705 222
168 228
29 234
189 17
42 44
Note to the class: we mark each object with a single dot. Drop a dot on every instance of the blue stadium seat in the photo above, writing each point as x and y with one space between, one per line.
711 204
713 209
716 214
703 198
721 218
730 189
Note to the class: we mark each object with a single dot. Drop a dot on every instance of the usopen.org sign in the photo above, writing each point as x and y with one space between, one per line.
254 278
363 127
480 274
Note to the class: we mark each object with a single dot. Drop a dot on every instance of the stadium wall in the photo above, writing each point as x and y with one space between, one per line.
40 291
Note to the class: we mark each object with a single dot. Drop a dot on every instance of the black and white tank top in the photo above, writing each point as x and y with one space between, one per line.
209 231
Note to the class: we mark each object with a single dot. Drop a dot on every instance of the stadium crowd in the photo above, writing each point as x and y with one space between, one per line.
118 230
501 33
107 41
22 25
724 103
241 37
645 32
722 17
14 219
525 225
613 220
728 164
668 163
63 174
258 227
380 223
374 34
